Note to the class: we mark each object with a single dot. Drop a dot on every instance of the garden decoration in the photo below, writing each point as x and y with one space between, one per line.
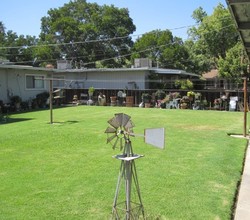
59 93
129 206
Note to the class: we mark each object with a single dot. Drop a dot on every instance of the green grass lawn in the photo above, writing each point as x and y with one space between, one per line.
65 170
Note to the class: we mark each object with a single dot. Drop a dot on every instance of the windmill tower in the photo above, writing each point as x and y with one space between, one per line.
129 205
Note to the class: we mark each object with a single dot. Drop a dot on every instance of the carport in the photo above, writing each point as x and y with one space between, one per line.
240 11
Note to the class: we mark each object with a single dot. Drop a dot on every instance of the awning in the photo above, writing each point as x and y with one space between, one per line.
240 11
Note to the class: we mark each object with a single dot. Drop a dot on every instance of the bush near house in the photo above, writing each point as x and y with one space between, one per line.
41 99
15 99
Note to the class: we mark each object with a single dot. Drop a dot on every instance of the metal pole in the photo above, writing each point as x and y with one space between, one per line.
128 188
121 174
245 107
134 173
50 101
128 175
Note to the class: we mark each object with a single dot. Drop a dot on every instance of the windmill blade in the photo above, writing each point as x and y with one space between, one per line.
114 122
110 130
122 118
122 128
155 137
111 138
129 125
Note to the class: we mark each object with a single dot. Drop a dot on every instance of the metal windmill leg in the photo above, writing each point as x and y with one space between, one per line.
121 174
128 181
132 210
135 178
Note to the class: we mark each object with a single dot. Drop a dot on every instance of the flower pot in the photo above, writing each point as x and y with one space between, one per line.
191 98
183 105
113 100
147 105
129 101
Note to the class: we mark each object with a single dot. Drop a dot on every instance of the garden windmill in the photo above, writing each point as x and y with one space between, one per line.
119 136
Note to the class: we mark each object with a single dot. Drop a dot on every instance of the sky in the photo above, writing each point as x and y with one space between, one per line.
24 16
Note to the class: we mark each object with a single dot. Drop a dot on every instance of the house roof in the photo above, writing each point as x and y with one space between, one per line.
150 69
23 67
172 72
210 75
240 11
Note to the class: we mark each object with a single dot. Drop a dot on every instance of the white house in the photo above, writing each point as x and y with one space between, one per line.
27 81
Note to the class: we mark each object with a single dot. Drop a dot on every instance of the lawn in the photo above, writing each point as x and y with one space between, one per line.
65 170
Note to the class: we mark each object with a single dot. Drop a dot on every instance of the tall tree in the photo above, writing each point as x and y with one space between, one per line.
2 32
234 64
89 32
16 49
199 14
212 37
2 40
19 49
165 50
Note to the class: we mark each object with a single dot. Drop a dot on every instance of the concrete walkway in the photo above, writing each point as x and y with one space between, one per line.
242 211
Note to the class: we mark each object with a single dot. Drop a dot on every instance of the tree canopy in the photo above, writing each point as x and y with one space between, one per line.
165 50
234 65
16 48
212 37
89 32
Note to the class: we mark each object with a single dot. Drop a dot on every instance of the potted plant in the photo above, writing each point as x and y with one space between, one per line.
191 95
184 102
217 103
146 99
160 94
91 91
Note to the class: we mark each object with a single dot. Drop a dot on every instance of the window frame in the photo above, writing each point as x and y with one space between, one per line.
35 75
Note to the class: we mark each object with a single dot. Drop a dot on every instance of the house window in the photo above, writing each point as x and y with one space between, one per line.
58 82
34 82
221 83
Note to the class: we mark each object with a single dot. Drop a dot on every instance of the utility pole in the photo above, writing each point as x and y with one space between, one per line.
245 98
245 78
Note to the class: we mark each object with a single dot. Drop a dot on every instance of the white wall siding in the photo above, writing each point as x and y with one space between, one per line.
13 82
106 79
3 86
116 80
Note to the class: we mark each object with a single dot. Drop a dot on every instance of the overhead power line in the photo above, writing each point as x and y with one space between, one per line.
105 59
88 41
70 43
100 40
